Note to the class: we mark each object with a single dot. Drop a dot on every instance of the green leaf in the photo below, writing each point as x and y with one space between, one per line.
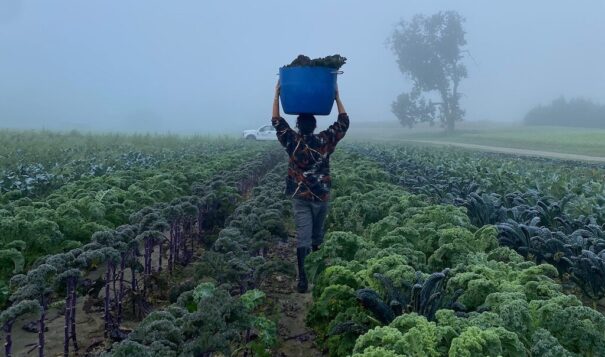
203 291
252 298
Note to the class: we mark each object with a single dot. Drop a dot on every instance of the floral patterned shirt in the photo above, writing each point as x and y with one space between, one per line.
309 168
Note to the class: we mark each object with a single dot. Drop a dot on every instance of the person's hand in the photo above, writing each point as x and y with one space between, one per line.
277 89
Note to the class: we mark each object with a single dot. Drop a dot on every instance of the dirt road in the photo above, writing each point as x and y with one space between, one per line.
512 151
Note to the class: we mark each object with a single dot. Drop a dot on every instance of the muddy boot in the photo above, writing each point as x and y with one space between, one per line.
301 254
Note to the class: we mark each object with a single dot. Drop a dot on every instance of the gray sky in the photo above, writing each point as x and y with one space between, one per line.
210 65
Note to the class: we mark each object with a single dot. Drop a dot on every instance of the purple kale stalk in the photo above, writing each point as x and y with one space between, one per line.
70 279
10 315
36 285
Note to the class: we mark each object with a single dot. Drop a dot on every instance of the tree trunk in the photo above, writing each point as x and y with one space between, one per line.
446 118
452 109
450 124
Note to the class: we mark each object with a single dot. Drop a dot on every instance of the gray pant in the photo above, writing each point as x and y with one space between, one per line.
309 217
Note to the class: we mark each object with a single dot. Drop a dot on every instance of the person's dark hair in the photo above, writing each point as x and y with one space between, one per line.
306 124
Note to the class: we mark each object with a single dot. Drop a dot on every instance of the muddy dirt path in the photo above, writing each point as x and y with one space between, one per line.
291 308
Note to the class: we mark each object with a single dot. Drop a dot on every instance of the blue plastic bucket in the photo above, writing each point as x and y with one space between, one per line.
307 90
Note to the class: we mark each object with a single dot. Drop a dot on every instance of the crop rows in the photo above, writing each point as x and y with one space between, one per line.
547 211
429 252
401 276
219 310
34 164
68 216
169 228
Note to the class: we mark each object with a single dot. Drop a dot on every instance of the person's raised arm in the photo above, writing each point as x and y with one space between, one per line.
276 101
337 130
341 107
284 133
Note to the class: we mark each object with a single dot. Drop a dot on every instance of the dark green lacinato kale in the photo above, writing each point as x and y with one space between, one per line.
371 300
424 297
334 61
483 209
589 273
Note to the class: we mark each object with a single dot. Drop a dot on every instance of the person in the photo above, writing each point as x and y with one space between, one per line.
308 180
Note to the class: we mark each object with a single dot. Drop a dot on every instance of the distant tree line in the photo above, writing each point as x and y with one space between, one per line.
577 112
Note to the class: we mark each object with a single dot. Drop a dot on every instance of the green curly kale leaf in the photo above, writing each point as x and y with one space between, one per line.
490 342
334 61
408 335
377 352
335 275
545 345
333 300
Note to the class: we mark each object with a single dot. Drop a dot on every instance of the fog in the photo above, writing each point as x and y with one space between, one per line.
210 66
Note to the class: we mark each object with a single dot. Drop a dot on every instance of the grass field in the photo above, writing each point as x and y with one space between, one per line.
580 141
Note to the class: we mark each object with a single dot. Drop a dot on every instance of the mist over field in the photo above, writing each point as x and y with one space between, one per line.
154 201
210 66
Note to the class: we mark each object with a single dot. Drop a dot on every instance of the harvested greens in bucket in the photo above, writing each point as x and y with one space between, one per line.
334 61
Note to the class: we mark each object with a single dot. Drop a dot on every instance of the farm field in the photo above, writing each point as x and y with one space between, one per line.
220 179
565 140
170 246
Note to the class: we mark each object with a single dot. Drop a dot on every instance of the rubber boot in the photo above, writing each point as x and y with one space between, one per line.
301 254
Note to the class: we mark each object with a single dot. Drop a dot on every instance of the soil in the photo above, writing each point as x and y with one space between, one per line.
290 307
